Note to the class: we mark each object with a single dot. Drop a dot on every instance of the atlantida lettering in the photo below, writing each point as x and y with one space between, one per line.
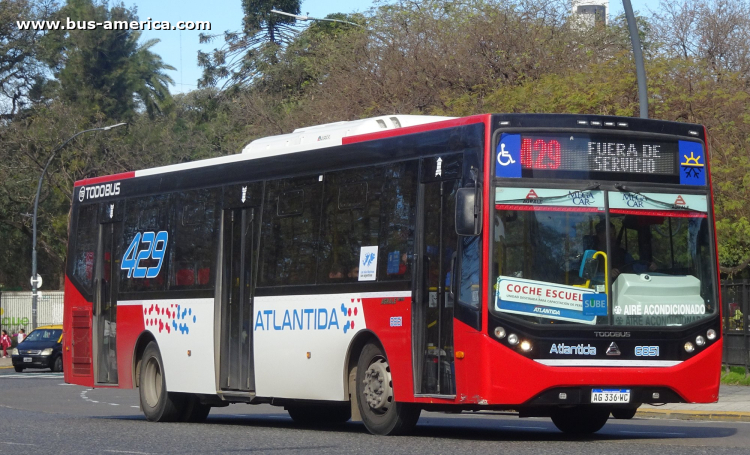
562 348
302 319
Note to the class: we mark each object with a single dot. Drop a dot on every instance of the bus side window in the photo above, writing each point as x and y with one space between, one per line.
398 215
351 220
290 231
468 287
148 214
194 239
82 261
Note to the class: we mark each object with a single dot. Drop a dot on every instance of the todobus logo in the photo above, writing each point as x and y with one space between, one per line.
97 191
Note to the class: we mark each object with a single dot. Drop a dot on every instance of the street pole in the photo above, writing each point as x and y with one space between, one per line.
34 279
640 70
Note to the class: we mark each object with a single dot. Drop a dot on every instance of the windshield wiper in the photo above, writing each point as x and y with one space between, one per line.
593 186
625 189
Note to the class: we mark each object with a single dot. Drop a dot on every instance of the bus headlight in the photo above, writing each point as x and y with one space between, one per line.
711 334
513 339
700 341
47 351
689 347
500 332
525 346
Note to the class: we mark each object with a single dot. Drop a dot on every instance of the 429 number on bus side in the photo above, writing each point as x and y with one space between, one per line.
155 247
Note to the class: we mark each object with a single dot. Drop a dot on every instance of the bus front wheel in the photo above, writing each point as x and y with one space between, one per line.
158 405
580 420
624 413
381 414
319 415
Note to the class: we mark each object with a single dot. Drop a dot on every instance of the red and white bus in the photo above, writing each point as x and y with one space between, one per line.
556 265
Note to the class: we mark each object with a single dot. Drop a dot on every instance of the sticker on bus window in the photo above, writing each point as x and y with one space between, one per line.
546 300
394 260
692 164
508 158
368 262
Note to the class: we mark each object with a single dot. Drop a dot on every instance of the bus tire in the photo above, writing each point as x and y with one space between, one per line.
158 405
320 415
624 413
194 410
381 414
580 420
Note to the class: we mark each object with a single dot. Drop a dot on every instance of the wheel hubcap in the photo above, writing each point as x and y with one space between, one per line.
378 391
152 384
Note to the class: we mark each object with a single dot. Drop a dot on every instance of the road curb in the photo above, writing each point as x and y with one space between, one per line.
723 416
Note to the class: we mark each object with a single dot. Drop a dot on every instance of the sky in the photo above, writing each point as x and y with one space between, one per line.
180 48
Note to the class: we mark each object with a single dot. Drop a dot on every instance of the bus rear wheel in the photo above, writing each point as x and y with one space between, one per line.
580 420
319 415
381 414
194 410
158 405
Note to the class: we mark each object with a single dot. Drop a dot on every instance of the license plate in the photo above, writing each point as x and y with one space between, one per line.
27 359
610 396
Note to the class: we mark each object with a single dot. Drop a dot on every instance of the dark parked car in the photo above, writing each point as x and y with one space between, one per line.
42 348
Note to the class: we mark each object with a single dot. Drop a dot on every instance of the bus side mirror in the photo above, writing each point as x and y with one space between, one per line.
468 211
589 265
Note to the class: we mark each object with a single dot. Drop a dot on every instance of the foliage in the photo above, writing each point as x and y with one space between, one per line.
21 71
263 33
101 69
735 376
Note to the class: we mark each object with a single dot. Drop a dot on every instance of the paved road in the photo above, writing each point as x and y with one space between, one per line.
41 414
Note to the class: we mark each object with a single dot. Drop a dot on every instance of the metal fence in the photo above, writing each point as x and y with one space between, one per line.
15 310
735 299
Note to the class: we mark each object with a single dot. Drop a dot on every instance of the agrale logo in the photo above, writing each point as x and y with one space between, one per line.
613 349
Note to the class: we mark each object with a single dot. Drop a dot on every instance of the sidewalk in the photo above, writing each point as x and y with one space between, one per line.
5 363
733 405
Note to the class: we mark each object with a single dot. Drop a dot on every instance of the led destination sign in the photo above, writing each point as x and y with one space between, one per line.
594 153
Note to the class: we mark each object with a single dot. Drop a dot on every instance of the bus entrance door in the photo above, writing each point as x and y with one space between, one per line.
105 302
434 306
237 301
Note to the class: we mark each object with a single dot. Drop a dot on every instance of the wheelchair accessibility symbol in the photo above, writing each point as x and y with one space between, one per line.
504 158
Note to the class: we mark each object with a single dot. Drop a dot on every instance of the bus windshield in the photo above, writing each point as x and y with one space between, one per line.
563 256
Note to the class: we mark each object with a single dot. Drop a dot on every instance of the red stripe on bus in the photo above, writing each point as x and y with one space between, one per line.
489 158
668 213
545 208
106 178
415 129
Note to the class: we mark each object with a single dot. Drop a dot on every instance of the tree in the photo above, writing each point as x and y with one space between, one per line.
263 32
21 71
106 72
